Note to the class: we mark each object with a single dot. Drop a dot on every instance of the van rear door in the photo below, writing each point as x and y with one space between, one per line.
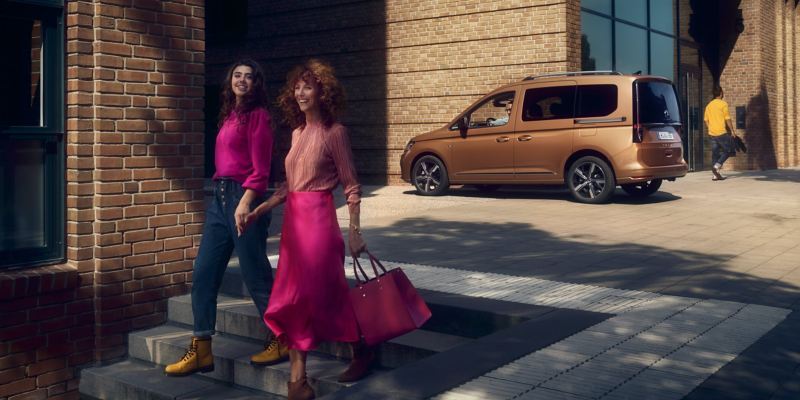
657 122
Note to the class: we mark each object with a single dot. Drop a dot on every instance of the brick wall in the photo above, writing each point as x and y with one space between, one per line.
761 75
409 66
134 194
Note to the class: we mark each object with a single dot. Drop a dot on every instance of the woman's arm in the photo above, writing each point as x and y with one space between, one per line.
260 138
342 154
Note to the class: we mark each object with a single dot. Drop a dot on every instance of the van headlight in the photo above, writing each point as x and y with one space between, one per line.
409 145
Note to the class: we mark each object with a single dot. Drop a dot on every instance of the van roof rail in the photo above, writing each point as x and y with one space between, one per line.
576 73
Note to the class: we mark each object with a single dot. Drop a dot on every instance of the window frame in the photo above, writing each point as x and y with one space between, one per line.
51 132
649 30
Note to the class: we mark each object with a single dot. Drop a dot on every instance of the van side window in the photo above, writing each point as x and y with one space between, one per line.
548 103
495 111
596 100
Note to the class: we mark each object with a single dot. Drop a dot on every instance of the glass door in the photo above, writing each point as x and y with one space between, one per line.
690 90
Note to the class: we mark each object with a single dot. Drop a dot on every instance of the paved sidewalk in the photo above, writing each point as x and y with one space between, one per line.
717 249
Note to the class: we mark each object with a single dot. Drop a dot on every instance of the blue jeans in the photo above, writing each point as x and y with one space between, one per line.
218 242
721 148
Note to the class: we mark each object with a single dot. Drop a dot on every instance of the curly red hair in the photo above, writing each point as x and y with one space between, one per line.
331 96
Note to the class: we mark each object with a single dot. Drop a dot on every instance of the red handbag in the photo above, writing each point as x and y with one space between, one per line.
386 306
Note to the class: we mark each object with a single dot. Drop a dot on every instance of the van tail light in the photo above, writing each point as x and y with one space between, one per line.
638 133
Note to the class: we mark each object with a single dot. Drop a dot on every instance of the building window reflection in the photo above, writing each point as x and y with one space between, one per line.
629 36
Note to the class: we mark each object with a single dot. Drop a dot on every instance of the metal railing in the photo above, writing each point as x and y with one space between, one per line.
575 73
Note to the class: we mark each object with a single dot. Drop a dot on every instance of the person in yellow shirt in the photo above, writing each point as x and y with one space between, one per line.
720 128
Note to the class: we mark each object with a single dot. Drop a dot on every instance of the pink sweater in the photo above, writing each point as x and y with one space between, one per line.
244 150
320 159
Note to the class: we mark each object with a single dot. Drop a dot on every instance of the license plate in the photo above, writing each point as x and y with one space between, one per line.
666 136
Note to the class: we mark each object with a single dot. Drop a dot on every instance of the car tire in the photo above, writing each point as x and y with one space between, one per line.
429 176
642 189
591 180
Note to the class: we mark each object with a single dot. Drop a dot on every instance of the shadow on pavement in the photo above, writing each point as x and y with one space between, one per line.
557 192
518 249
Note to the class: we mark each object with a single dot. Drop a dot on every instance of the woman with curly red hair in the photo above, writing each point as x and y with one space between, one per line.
309 302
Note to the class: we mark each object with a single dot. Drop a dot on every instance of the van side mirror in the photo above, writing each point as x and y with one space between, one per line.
463 123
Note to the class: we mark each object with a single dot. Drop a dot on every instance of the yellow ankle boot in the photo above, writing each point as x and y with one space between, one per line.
274 352
197 359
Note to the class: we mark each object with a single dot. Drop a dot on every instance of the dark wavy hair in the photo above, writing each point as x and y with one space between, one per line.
255 98
331 96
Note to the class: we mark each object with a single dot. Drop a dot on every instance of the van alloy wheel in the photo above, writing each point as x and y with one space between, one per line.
430 176
591 180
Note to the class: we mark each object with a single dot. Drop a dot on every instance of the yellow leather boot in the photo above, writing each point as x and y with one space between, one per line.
274 352
197 359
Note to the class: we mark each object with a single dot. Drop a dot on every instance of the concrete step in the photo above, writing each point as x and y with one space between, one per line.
165 344
239 317
132 379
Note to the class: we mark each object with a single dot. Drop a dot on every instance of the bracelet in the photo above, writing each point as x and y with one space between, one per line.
356 228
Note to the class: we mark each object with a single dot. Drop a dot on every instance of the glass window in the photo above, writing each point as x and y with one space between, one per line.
631 47
548 103
657 103
22 78
495 111
596 100
603 6
595 43
662 57
22 218
631 10
662 14
32 133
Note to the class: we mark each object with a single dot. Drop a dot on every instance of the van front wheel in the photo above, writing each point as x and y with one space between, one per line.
591 180
430 176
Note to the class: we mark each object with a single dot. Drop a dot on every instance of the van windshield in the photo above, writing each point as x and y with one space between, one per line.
657 103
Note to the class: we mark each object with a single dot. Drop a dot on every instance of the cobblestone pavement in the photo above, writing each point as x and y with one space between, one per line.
703 278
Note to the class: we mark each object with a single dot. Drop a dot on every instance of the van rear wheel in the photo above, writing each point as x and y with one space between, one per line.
642 189
430 176
591 180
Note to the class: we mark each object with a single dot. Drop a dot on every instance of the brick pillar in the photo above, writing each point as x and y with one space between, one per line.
573 29
135 158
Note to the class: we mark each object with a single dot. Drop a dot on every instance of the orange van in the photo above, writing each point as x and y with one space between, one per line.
591 130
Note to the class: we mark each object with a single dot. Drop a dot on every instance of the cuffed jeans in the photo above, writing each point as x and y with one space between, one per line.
721 148
218 242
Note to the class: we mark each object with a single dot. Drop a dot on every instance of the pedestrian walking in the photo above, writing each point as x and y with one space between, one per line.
310 301
721 130
242 159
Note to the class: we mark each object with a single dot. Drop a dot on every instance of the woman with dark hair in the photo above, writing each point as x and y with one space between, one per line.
310 302
242 158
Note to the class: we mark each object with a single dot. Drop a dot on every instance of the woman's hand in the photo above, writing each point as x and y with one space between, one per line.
241 216
355 241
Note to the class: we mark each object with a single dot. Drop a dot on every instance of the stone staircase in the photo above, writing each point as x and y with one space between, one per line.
240 334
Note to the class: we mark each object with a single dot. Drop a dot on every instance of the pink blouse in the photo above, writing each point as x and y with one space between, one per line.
244 150
320 159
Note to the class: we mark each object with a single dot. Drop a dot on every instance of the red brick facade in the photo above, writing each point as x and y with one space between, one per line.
135 75
761 75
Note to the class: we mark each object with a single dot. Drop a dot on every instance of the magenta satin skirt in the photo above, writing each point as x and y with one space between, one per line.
309 302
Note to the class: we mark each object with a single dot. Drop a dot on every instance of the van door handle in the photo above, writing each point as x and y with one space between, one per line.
525 138
502 139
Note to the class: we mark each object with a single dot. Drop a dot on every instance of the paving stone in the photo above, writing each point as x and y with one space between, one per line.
549 394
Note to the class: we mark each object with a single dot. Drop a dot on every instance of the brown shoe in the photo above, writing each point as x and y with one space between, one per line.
360 365
300 390
198 358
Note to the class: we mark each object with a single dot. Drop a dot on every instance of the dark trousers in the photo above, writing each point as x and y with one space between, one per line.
218 242
721 148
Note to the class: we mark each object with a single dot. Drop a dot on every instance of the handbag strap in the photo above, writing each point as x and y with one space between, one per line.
374 262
